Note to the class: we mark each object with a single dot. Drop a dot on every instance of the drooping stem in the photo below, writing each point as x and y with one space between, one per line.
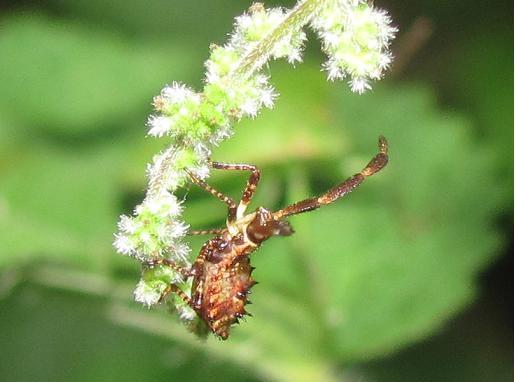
296 19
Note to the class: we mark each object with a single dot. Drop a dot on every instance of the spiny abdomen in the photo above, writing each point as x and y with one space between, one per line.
225 293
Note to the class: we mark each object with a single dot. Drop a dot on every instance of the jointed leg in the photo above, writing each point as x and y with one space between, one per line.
339 191
215 231
226 199
172 288
252 182
199 182
170 264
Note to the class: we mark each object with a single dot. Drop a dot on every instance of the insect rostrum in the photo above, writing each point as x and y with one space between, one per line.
222 271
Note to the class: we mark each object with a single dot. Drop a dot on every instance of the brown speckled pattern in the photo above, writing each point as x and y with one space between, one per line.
221 282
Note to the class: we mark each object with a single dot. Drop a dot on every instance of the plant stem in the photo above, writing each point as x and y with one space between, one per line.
297 18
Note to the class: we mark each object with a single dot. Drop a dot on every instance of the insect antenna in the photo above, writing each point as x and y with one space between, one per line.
376 164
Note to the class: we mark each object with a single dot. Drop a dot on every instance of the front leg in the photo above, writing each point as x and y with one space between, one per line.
224 198
252 182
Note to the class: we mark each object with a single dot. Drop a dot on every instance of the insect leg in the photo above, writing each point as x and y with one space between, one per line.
339 191
252 182
215 231
172 288
226 199
168 263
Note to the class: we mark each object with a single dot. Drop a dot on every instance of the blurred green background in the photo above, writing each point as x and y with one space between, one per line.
407 279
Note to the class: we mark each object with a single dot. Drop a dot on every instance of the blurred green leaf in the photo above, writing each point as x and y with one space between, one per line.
297 129
160 19
64 338
70 79
481 76
56 204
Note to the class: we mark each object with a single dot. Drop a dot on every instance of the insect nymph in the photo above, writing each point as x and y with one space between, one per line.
222 271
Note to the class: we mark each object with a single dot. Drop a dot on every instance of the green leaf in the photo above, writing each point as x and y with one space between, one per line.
56 204
70 79
158 19
481 77
107 351
285 134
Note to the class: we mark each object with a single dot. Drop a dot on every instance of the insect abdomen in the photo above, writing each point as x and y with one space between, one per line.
222 285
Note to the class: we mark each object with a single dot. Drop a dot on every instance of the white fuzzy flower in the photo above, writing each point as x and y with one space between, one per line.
221 134
179 93
159 125
223 61
334 72
201 149
290 47
152 205
165 205
356 37
182 252
128 224
161 173
138 210
186 313
146 295
250 107
170 206
177 229
294 55
243 22
201 172
267 97
359 85
146 237
124 245
252 28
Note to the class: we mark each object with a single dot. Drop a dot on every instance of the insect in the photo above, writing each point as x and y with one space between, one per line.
222 271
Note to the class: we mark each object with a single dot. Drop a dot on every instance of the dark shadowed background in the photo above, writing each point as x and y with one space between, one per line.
410 278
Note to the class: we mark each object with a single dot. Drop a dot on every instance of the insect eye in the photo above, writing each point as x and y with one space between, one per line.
257 233
258 236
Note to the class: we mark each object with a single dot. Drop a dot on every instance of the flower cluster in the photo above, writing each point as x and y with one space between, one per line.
154 283
154 230
355 36
251 28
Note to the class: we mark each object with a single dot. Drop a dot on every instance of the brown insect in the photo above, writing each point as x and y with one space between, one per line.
222 271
